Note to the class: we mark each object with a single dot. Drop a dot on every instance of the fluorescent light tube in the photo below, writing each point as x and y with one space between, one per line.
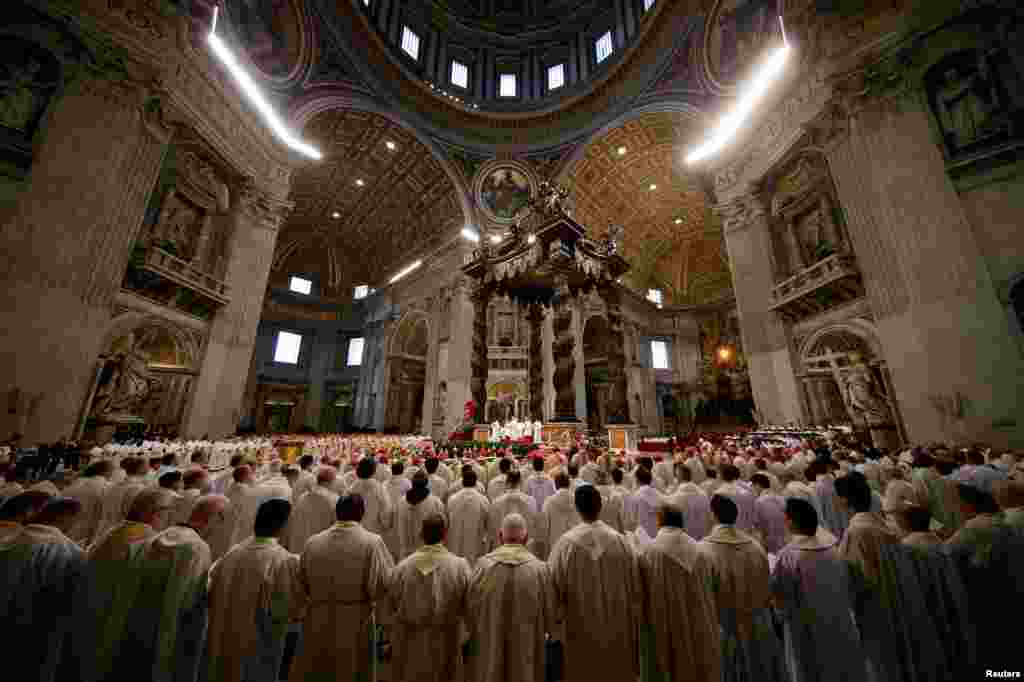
405 272
752 92
252 92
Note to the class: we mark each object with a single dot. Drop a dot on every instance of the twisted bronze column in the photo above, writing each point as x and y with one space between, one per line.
562 349
478 361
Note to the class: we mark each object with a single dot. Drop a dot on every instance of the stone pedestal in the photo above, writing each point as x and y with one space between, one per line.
622 436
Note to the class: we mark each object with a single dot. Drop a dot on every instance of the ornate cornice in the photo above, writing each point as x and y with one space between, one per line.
742 211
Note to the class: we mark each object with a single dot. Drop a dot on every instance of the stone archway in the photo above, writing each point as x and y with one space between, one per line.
407 374
845 381
596 340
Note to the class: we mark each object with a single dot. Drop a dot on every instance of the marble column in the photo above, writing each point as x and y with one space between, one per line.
65 248
563 350
618 396
478 363
579 375
942 330
321 359
765 338
460 352
535 316
253 221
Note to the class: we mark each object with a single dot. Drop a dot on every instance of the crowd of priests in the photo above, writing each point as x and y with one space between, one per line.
714 562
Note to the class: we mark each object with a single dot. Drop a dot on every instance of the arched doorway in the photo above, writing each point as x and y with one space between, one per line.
596 340
407 368
845 381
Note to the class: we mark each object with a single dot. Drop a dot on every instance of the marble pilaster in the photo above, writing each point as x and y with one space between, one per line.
765 341
943 332
253 222
65 248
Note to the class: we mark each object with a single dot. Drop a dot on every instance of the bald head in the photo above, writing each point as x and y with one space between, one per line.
148 504
513 530
326 475
207 509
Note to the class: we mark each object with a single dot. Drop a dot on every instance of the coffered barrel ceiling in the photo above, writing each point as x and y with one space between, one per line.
635 176
379 199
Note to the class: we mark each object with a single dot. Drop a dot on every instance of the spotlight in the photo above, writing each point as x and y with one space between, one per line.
390 145
652 187
405 272
470 235
621 151
679 221
495 238
724 353
360 183
335 215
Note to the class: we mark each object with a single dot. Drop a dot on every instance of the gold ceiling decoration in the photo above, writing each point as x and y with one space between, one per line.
368 207
672 241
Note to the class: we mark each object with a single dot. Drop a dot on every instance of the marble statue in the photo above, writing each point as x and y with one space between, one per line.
537 429
864 399
128 387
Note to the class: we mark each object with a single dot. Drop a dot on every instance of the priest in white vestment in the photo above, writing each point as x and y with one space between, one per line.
642 505
695 505
539 485
664 475
597 588
496 488
163 635
769 515
118 497
90 491
415 506
254 594
379 514
613 501
862 547
197 483
750 649
306 480
468 515
313 513
344 572
740 494
513 500
438 484
559 515
680 640
114 580
510 606
811 588
428 601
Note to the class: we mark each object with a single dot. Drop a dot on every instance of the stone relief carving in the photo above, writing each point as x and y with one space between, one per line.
741 211
125 385
865 400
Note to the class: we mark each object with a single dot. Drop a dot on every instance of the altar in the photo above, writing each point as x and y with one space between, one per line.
546 262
